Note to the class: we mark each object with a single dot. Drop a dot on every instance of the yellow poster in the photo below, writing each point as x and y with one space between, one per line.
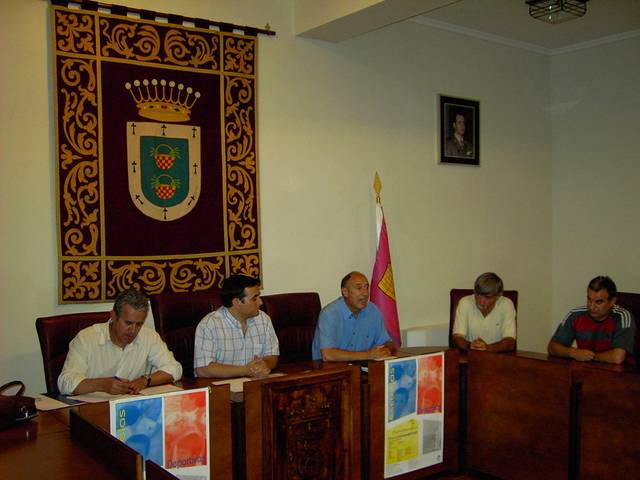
402 442
414 413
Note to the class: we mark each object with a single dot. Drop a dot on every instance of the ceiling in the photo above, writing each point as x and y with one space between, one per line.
503 21
509 21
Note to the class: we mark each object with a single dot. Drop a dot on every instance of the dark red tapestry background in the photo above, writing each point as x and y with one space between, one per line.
105 243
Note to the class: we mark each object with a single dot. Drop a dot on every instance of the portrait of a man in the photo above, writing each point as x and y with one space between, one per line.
456 144
459 138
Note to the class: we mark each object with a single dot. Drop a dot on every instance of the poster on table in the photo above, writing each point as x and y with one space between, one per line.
414 413
172 429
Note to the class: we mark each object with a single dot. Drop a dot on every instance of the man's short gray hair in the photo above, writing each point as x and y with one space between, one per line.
488 284
137 299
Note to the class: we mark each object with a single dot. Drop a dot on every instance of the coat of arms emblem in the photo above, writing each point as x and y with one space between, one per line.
163 157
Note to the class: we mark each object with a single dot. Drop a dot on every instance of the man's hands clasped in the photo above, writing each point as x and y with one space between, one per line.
258 368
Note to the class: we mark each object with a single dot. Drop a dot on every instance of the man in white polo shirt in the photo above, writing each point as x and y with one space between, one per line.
485 320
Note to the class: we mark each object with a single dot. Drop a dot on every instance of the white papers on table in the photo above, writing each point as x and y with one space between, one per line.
166 388
44 403
97 397
237 384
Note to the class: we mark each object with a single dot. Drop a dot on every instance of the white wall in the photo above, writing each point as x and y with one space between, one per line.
446 223
596 170
329 117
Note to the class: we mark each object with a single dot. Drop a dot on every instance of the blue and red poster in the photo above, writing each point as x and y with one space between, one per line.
171 429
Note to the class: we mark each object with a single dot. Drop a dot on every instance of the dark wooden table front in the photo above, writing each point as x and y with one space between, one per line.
529 416
42 449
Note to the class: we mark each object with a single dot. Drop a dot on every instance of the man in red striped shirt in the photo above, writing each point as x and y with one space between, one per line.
603 331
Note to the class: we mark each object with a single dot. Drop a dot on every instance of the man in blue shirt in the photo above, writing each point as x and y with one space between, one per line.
350 327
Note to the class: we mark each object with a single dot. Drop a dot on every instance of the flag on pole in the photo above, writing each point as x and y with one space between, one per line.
383 292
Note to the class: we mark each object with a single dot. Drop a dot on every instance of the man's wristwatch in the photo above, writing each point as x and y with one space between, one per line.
148 377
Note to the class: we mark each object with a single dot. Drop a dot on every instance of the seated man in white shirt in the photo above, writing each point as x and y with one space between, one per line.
238 339
119 356
485 320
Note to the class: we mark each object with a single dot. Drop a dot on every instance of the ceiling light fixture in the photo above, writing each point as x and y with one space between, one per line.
557 11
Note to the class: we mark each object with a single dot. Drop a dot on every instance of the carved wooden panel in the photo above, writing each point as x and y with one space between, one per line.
306 436
308 426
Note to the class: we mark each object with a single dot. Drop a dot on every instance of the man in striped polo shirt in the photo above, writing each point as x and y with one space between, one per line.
603 331
238 339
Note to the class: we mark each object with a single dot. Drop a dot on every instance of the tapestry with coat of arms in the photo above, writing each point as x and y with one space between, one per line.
156 155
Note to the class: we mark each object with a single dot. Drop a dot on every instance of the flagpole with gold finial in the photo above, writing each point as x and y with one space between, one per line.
382 289
377 186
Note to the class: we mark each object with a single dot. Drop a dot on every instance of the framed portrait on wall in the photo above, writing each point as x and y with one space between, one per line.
459 134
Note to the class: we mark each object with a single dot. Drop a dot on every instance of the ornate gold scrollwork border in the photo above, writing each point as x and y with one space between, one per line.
81 40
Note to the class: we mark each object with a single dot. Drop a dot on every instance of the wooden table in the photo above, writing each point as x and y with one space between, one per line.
43 449
608 422
531 416
528 416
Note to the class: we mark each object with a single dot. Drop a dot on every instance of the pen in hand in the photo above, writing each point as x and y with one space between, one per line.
127 388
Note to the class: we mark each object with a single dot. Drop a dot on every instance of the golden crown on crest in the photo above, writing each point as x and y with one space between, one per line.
162 100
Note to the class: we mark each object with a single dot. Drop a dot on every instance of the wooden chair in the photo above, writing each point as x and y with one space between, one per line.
458 293
294 317
631 301
176 316
55 333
